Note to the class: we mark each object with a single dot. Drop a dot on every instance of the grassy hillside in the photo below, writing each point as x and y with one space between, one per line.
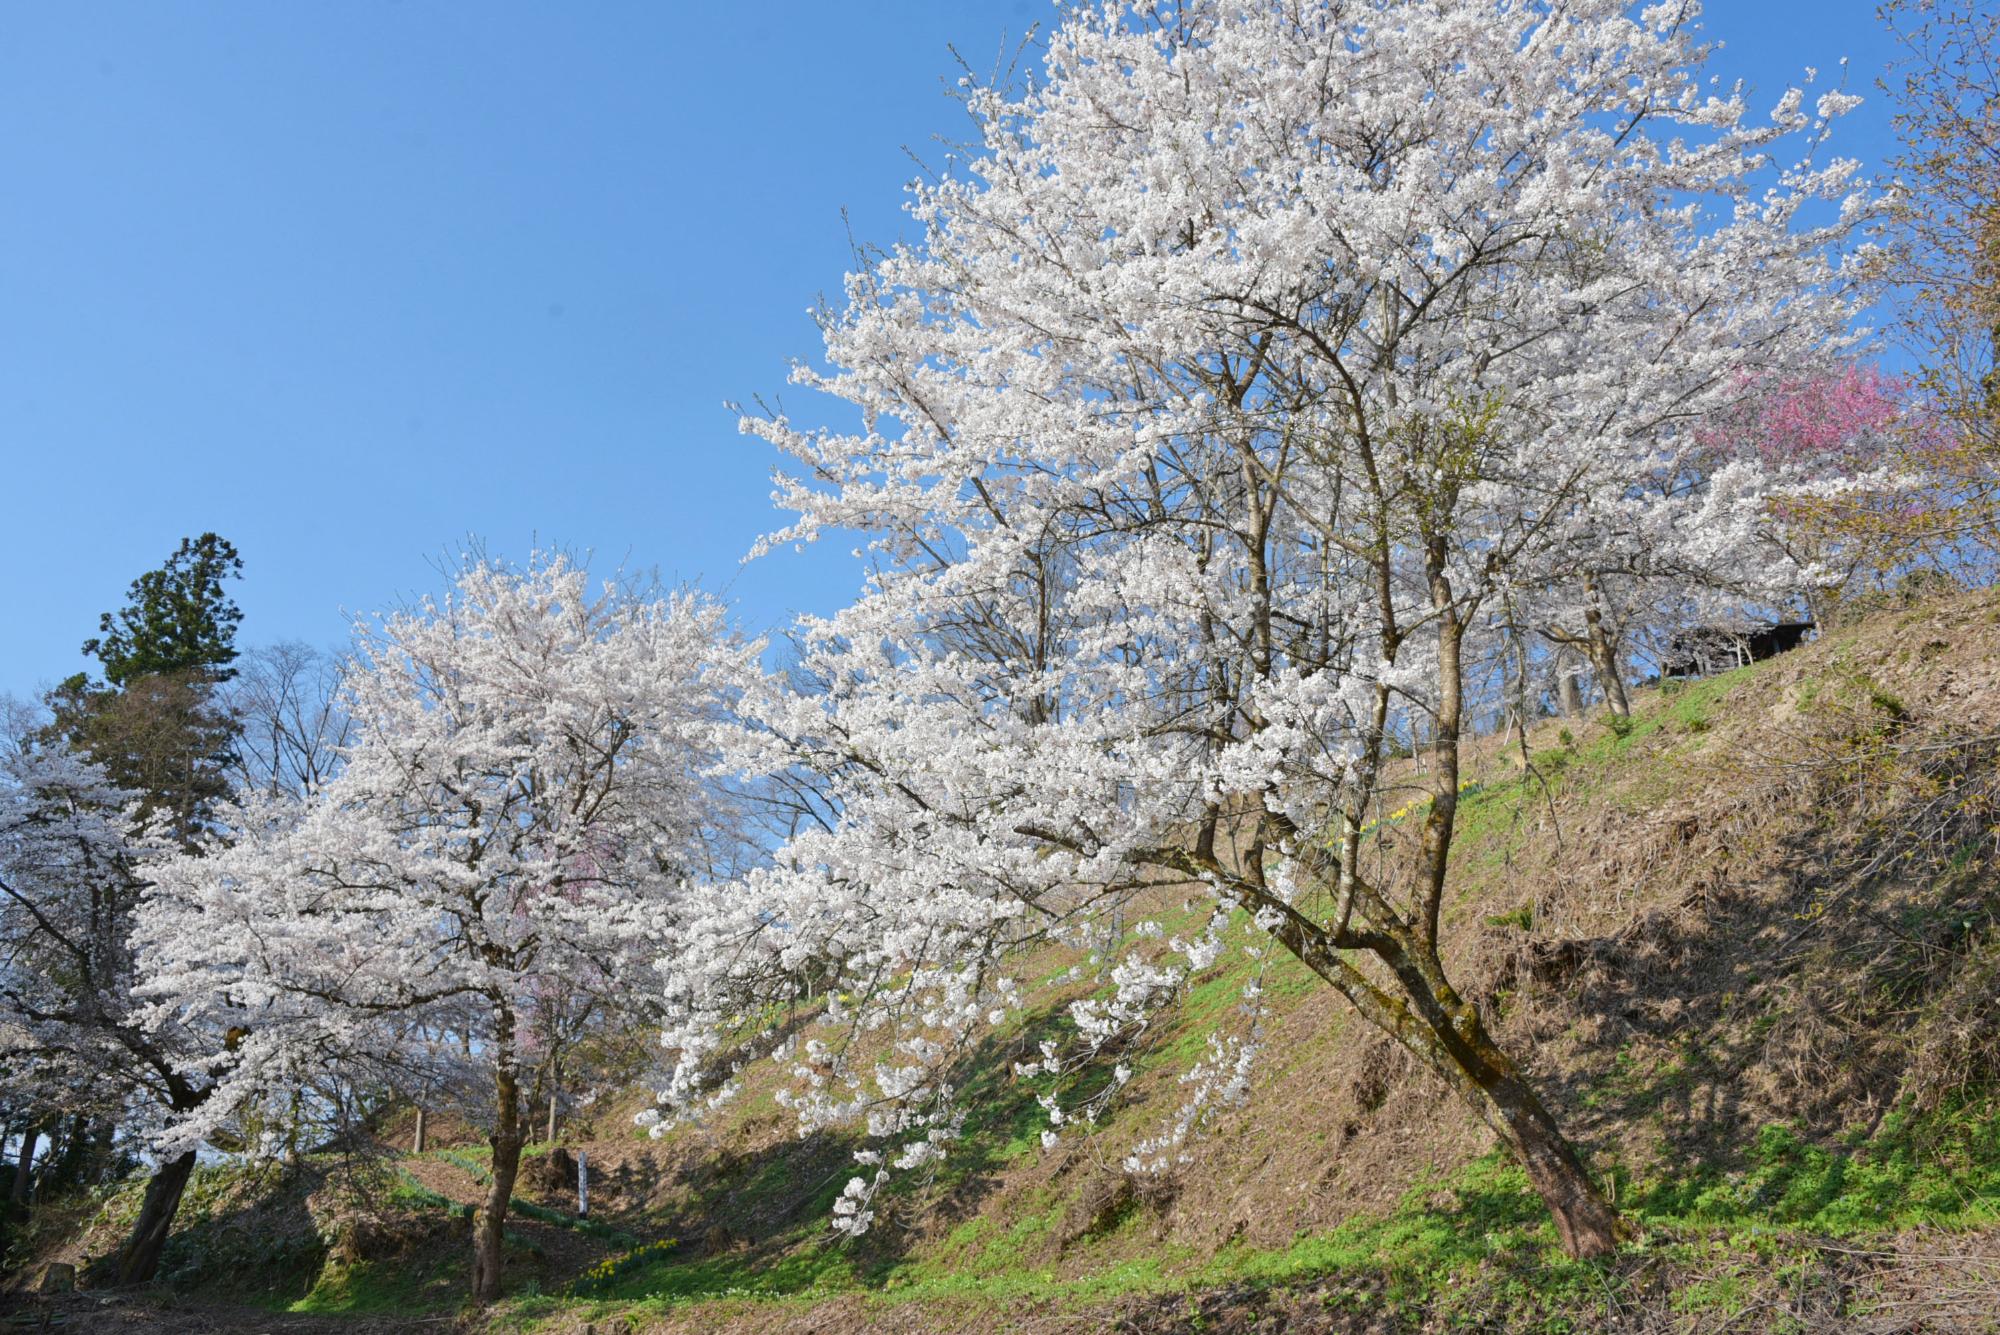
1745 941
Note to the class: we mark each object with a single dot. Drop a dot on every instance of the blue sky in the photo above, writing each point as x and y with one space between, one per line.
349 282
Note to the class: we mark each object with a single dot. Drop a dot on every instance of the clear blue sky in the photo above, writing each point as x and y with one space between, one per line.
347 282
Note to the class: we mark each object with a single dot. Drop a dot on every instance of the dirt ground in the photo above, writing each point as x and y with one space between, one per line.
152 1314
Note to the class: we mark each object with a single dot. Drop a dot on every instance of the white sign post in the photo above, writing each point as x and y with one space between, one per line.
582 1184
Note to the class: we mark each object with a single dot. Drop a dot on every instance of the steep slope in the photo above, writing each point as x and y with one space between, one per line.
1744 940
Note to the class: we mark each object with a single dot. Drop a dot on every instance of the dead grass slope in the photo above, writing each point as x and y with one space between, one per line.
1762 908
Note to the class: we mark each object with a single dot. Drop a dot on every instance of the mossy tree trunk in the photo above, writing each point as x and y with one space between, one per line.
140 1259
1415 1003
489 1228
1428 1018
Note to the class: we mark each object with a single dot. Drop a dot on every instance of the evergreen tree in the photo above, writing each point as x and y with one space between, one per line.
179 619
156 723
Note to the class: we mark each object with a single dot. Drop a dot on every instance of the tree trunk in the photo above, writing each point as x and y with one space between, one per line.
141 1258
491 1226
24 1167
1443 1031
103 1152
1587 1224
508 1133
1569 696
45 1182
1448 1035
417 1142
69 1165
1421 1010
1604 662
552 1117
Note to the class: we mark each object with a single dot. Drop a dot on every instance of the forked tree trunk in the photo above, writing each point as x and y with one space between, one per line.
1420 1008
1450 1035
140 1260
1448 1032
490 1227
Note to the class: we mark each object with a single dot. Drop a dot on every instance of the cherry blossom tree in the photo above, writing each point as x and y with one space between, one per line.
1255 351
1754 513
522 795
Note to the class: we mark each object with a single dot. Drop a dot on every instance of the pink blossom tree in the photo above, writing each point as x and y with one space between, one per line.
1843 450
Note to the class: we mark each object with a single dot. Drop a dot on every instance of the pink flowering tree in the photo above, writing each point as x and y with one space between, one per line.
1845 458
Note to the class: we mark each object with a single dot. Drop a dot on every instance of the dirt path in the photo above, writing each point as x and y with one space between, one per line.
116 1314
445 1178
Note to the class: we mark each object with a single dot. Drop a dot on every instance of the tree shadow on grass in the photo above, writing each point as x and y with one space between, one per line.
246 1234
1787 999
760 1221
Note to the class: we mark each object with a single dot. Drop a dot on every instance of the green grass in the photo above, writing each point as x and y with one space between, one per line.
411 1193
1407 1254
474 1162
1497 816
383 1286
219 1246
1454 1247
1480 1231
1471 1241
1472 1246
590 1228
664 1272
1940 1170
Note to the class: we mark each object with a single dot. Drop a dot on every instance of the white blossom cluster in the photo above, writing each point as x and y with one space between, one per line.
73 853
522 797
